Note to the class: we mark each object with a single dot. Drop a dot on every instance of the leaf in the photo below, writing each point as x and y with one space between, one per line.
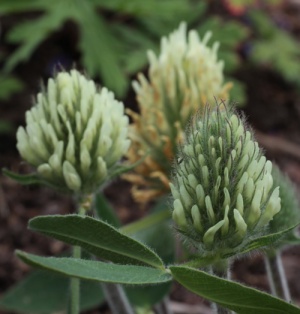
234 296
267 240
262 23
147 231
238 94
44 292
28 179
146 222
8 86
97 237
32 34
25 179
97 271
105 211
100 54
228 34
8 6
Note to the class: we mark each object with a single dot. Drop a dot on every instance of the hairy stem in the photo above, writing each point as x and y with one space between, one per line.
276 275
221 269
74 306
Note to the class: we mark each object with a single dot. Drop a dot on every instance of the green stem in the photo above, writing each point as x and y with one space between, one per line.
75 282
221 269
276 275
116 298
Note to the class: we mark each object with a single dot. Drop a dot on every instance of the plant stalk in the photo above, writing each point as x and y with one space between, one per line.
74 306
276 275
115 296
116 299
221 269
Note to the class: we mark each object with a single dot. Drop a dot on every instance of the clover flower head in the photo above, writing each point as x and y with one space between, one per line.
222 184
183 77
74 134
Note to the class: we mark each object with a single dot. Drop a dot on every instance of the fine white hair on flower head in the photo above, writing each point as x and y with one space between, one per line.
74 134
182 78
222 187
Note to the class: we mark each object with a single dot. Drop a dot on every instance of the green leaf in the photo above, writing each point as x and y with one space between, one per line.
146 222
228 34
234 296
8 6
44 292
32 33
25 179
105 211
97 271
146 230
100 53
267 240
28 179
238 94
8 86
97 237
262 23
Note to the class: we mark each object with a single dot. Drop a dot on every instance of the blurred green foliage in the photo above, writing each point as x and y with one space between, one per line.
115 34
275 48
111 48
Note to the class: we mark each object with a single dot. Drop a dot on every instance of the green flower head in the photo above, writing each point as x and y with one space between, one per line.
74 134
222 184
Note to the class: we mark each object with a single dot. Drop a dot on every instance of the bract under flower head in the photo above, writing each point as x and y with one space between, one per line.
183 77
74 134
222 184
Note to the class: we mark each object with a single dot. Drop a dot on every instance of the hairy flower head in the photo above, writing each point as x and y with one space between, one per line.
74 134
222 184
183 77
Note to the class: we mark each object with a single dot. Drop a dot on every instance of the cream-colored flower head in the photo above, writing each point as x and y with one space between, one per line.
182 78
75 133
222 185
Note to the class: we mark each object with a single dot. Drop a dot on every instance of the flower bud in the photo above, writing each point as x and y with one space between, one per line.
231 196
182 78
74 134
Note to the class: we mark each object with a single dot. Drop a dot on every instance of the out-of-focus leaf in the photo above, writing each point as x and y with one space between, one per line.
25 179
262 23
238 94
159 27
44 292
231 60
105 211
8 6
228 34
155 231
162 9
8 86
32 33
100 54
275 48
